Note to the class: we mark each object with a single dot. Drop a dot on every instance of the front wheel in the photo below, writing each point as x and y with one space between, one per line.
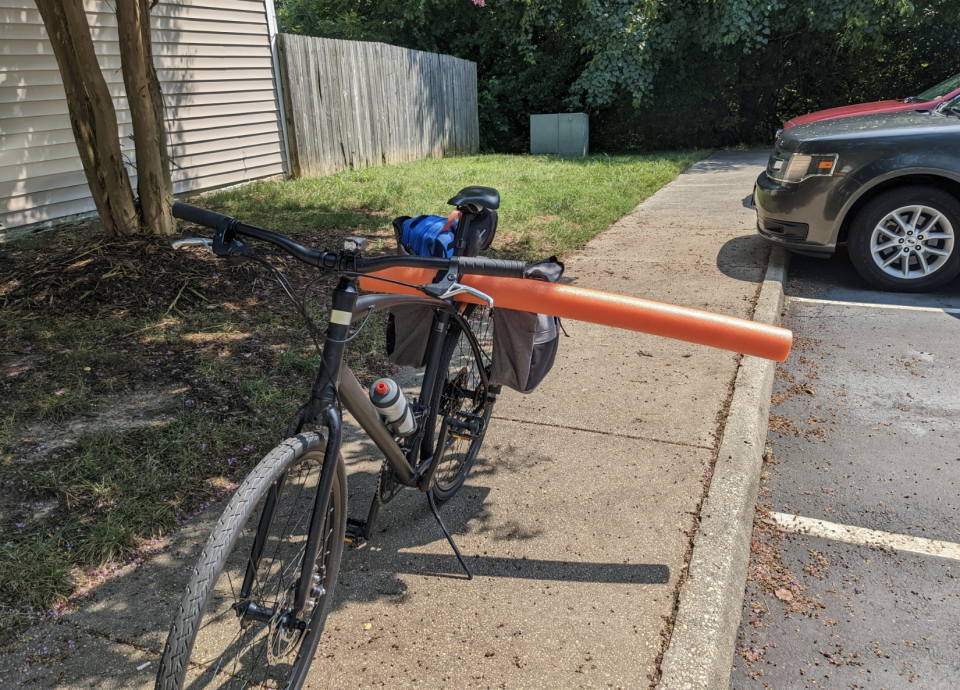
225 637
905 240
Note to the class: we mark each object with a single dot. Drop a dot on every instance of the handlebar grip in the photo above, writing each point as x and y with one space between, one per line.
499 268
200 216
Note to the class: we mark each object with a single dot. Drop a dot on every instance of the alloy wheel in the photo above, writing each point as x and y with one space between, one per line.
912 242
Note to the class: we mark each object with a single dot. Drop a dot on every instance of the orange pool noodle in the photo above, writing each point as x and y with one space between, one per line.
607 309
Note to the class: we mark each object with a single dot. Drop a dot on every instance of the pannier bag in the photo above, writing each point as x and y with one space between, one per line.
524 344
408 330
408 327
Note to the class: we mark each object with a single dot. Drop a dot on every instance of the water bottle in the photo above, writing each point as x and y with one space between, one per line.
392 405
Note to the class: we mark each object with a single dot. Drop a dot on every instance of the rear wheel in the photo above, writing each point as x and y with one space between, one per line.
905 240
218 640
461 397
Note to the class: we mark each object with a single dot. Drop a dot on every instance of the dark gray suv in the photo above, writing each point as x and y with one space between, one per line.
886 185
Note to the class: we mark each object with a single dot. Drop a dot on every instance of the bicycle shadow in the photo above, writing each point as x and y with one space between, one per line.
136 605
408 541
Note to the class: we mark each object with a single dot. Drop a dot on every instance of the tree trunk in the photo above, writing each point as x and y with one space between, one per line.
92 115
94 118
156 97
153 175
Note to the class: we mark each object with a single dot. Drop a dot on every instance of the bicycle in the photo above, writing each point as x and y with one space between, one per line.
257 601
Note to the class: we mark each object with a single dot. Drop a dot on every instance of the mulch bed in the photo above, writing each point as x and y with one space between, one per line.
119 319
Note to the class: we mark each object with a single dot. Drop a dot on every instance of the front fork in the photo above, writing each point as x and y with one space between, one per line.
322 408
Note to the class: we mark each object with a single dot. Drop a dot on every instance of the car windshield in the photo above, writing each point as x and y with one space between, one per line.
938 91
952 106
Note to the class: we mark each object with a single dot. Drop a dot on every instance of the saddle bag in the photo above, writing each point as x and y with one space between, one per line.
525 344
434 235
480 234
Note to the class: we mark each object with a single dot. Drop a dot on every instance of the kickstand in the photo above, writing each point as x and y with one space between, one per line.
436 514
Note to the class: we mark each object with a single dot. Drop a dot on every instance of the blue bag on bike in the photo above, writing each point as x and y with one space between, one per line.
428 236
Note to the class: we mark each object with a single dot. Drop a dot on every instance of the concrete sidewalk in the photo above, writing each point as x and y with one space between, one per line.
576 521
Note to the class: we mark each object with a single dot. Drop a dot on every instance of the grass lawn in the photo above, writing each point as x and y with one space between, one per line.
548 205
140 384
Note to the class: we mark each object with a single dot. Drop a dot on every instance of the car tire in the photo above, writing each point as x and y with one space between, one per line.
888 231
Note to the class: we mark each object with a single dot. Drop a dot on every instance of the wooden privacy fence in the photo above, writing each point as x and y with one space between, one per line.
352 104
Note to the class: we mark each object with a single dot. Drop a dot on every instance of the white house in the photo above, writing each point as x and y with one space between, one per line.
217 66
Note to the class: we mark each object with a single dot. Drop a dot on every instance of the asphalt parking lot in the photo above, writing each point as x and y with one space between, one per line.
862 590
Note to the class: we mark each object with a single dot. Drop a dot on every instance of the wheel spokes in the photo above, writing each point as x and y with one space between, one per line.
915 217
931 223
893 257
232 652
896 217
919 237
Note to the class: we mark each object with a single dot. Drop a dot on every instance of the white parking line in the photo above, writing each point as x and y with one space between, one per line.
867 537
841 303
810 300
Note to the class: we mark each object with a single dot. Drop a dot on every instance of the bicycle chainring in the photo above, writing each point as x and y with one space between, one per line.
387 489
452 397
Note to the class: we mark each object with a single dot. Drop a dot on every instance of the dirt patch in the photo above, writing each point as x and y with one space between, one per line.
117 412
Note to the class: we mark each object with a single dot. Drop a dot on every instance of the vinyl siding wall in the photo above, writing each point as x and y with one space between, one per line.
216 72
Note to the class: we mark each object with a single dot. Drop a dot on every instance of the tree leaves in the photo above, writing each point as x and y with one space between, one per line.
550 55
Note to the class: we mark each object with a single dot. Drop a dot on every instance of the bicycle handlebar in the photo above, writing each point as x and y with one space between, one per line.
199 216
333 261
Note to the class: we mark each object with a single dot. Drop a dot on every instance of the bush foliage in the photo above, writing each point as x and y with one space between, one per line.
656 75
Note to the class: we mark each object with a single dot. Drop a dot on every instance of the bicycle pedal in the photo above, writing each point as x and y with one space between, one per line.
355 532
465 426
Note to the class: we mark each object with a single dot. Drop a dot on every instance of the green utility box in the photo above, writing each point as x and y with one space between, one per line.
564 134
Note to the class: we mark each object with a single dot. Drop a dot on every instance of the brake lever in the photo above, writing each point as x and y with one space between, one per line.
194 242
458 289
234 251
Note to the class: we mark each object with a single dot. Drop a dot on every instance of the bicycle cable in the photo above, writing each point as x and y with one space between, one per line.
311 326
357 332
421 288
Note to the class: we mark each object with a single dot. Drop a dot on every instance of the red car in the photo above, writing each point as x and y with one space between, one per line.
927 100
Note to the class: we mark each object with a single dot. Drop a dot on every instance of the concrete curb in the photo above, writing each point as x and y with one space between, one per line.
701 649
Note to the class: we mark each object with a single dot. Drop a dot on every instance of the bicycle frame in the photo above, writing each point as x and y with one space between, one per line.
336 383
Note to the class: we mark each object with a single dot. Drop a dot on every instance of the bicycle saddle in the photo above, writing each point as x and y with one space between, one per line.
480 197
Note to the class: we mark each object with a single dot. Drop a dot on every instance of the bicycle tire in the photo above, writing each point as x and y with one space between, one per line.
458 361
296 454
